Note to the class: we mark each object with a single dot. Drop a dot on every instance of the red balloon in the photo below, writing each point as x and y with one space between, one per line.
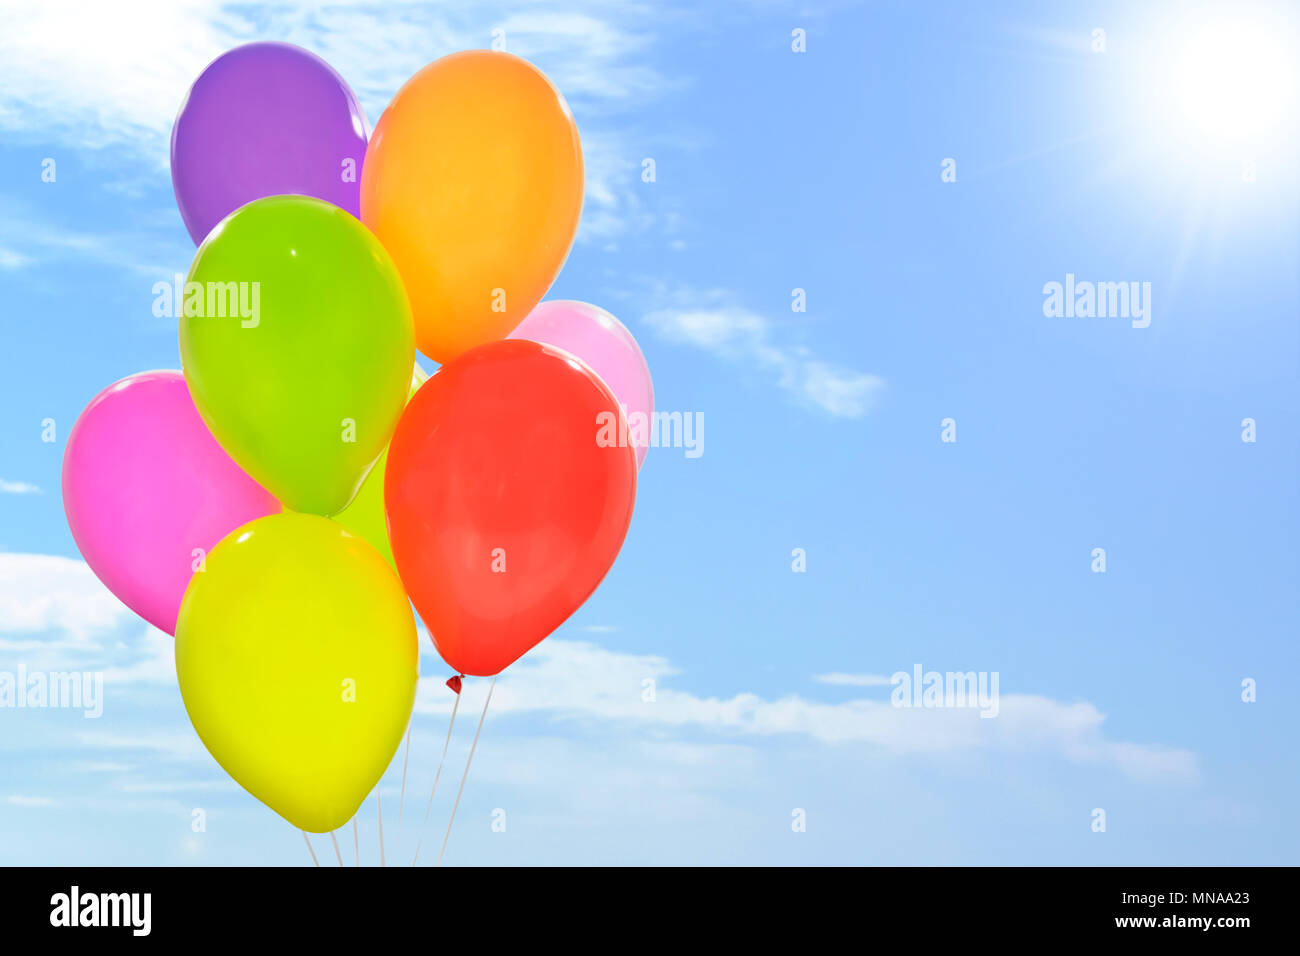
506 500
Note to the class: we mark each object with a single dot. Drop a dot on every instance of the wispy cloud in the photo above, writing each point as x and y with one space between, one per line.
18 488
576 747
567 681
178 744
575 680
54 601
88 76
143 253
22 801
853 680
13 260
612 64
714 322
106 767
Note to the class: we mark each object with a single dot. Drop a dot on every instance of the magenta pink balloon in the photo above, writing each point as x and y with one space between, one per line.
148 492
605 344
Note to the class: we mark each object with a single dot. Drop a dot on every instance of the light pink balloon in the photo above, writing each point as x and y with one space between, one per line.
604 343
144 485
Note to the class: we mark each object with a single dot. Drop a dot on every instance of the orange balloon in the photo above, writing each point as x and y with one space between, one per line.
473 182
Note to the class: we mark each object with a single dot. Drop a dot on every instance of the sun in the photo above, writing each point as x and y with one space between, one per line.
1235 80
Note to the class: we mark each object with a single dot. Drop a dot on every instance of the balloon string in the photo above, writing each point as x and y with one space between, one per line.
450 724
309 849
356 843
406 758
379 802
335 841
470 760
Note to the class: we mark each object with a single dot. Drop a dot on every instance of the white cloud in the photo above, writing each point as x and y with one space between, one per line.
60 615
580 683
608 66
18 488
178 786
155 661
853 680
106 767
573 680
1070 41
710 321
89 76
41 593
184 745
13 260
710 328
839 391
141 254
21 801
612 206
94 75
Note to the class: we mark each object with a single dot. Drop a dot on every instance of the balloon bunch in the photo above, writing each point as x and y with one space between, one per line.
280 504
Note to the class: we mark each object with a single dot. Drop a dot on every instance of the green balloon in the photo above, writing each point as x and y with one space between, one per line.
297 345
365 517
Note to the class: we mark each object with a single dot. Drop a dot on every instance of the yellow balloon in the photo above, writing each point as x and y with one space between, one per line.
297 661
365 516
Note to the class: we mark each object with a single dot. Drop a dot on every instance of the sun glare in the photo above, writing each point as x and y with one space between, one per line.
1235 80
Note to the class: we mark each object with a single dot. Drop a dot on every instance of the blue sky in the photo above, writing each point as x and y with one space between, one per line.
775 170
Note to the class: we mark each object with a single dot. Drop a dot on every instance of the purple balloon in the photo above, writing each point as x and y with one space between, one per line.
266 119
